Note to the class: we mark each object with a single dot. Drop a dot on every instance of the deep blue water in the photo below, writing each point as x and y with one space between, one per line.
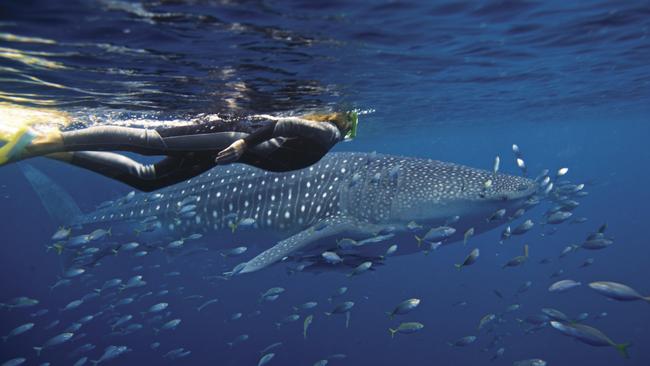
460 82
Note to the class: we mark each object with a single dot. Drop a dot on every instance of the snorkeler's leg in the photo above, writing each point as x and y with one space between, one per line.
144 177
99 138
137 140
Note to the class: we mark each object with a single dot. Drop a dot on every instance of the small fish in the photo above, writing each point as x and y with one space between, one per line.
209 302
175 244
186 209
321 363
306 306
390 251
61 282
272 291
497 162
519 260
562 171
496 215
171 325
270 347
156 308
590 336
506 234
406 328
436 234
265 359
306 324
468 234
617 291
556 314
512 308
413 226
524 287
189 200
288 319
194 236
515 149
339 292
77 241
597 243
581 317
498 294
530 362
73 327
243 223
238 340
568 249
498 354
234 252
563 286
62 233
129 246
363 267
341 308
347 243
588 262
331 257
462 342
523 227
15 361
54 341
18 330
98 234
72 305
487 319
73 272
469 260
558 217
111 352
522 165
404 307
121 321
39 313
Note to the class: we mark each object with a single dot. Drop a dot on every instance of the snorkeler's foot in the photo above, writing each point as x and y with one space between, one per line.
15 145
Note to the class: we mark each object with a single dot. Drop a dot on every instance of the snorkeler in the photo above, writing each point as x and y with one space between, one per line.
271 143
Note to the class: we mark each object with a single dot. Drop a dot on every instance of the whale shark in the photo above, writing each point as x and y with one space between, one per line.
369 199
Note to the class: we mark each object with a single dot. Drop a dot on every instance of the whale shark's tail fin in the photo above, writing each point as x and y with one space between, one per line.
57 202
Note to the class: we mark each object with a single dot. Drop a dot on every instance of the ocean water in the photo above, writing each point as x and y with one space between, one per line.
568 82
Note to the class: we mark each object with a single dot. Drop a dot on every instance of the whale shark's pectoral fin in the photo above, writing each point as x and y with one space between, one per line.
328 227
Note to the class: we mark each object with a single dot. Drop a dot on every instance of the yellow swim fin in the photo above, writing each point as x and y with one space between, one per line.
15 144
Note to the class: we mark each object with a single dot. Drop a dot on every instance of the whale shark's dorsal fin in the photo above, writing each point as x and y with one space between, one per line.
328 227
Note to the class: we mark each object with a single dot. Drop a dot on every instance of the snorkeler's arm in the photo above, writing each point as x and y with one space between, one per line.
325 133
233 152
260 135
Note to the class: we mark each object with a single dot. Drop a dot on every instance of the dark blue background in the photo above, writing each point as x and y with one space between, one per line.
455 82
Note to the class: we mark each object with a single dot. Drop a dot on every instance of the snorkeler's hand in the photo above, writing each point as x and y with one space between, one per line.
232 153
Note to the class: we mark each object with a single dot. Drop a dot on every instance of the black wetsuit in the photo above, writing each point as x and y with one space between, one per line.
275 145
